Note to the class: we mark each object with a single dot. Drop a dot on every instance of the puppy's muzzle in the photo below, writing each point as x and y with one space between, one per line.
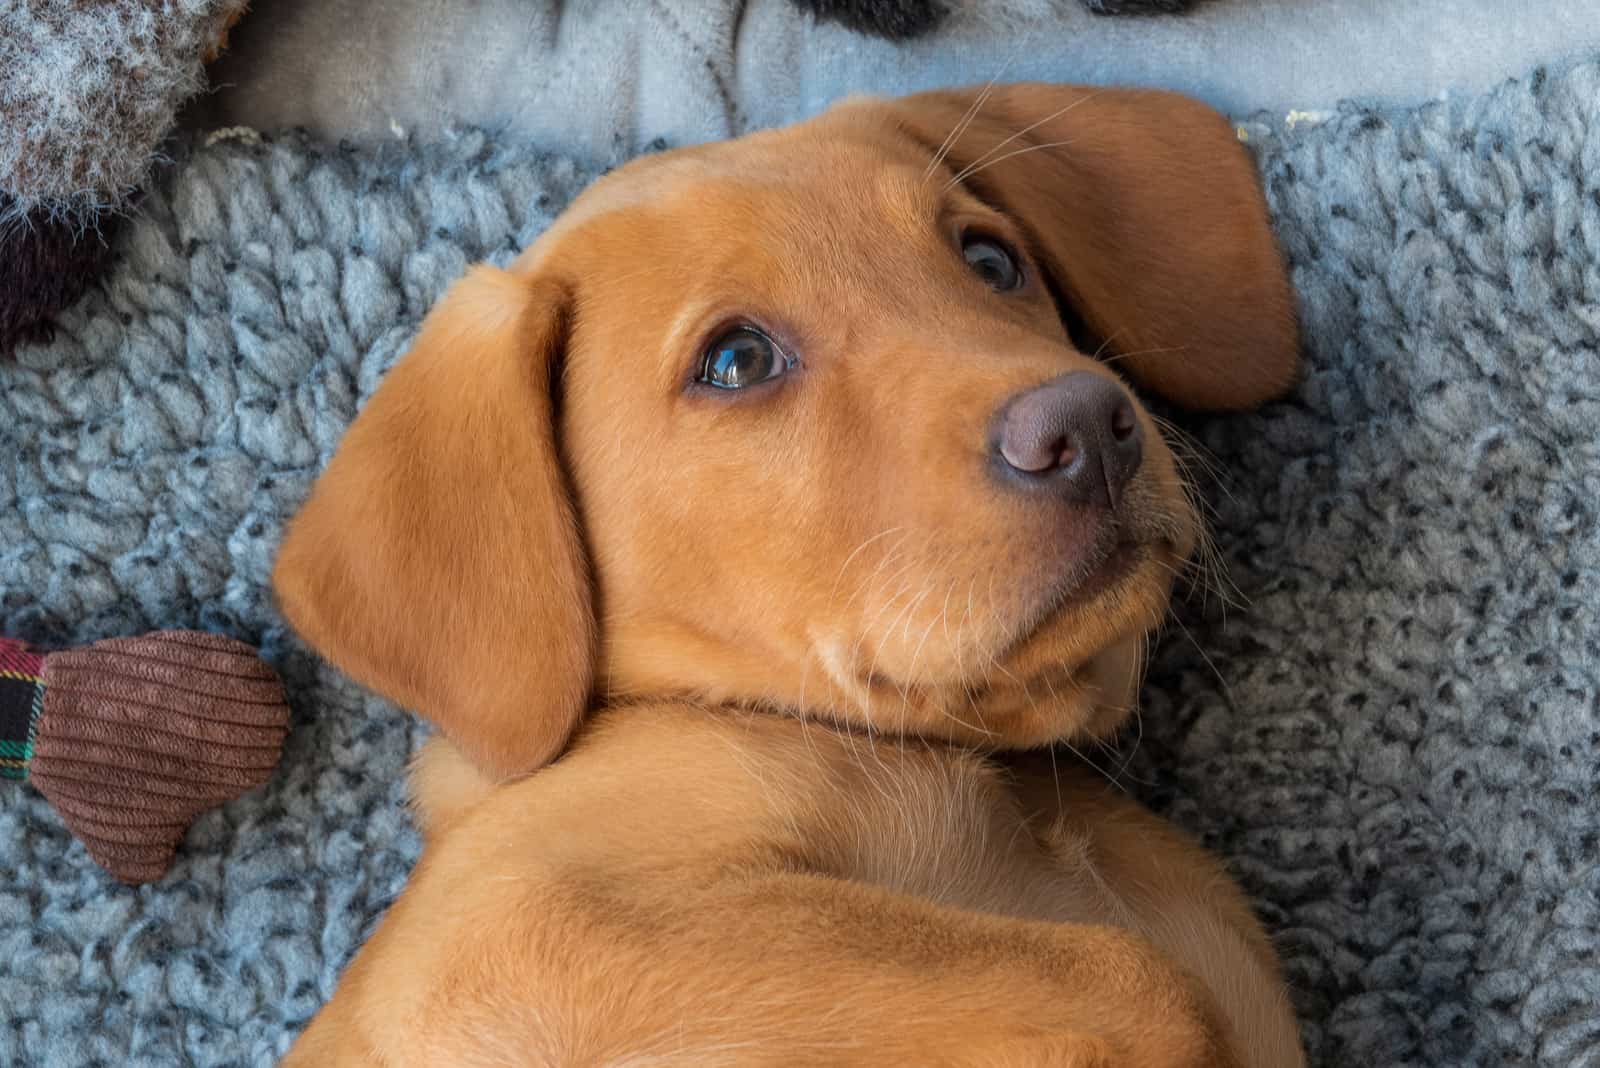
1076 436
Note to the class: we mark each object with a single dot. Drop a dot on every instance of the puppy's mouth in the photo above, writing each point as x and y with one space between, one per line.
1102 575
1051 680
1068 622
1091 580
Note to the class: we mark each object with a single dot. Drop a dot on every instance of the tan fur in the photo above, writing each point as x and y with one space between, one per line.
796 618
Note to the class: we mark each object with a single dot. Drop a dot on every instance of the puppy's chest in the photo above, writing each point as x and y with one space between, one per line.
953 833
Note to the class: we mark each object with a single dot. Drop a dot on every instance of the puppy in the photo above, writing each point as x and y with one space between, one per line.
783 490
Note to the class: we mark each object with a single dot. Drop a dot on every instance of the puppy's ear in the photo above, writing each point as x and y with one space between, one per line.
1149 218
438 559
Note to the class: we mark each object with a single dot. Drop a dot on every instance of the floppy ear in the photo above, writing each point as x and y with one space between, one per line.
438 559
1149 218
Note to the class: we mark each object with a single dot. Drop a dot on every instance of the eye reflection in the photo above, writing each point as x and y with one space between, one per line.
742 357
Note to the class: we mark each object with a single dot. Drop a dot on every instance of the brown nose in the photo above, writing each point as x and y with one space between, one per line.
1077 434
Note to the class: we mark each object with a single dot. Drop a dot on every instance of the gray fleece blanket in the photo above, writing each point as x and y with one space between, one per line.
607 77
1396 744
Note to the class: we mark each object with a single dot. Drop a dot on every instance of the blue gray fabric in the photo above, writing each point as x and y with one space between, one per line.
1396 744
606 77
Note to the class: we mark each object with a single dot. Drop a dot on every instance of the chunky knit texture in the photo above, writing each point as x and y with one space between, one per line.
1396 744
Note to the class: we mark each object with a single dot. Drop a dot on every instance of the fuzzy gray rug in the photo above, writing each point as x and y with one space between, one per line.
1397 744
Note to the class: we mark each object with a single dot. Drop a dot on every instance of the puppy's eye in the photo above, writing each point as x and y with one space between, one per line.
742 357
993 261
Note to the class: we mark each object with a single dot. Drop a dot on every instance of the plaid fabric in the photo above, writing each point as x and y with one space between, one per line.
21 700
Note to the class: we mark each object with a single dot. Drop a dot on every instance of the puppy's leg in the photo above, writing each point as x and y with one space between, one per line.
1172 892
333 1039
946 986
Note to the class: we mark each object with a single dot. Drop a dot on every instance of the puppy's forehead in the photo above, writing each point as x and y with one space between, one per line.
813 183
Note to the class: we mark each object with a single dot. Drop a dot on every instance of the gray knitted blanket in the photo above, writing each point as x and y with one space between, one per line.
1396 744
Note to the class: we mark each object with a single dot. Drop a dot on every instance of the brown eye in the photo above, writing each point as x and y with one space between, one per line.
993 261
742 357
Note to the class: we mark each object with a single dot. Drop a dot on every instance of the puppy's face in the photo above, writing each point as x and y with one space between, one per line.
812 431
833 449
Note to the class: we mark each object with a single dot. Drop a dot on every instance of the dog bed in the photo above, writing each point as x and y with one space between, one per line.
1395 743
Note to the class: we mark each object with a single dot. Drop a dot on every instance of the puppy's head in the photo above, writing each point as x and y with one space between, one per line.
809 419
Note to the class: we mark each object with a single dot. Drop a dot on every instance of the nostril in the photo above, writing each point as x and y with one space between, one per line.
1123 422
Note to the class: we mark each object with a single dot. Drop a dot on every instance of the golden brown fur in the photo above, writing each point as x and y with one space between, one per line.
784 625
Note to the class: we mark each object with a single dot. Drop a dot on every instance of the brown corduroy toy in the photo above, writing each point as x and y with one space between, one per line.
130 739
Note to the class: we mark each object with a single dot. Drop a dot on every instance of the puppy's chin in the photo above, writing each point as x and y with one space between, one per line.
1123 598
1072 702
1086 701
1075 676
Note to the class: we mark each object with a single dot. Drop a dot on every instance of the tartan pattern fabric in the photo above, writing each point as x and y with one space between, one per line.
21 701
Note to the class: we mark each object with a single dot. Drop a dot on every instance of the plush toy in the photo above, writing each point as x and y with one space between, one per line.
130 739
87 94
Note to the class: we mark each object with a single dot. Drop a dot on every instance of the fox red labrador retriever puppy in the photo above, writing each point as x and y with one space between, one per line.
778 496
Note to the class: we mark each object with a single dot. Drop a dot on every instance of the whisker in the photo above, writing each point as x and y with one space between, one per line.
1206 567
1118 357
1055 777
979 163
976 728
1222 682
893 554
954 136
1106 343
1081 755
974 168
857 552
942 617
1138 716
1196 450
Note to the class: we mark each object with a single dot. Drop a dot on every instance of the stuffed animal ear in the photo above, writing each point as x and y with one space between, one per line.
438 559
1150 222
